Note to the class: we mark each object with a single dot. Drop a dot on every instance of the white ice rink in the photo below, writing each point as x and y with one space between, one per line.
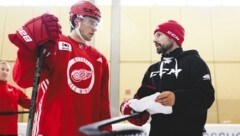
212 129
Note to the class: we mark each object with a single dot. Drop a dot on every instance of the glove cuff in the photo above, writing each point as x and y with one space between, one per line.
17 42
125 105
24 35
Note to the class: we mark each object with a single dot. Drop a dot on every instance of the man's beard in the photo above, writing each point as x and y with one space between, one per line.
163 49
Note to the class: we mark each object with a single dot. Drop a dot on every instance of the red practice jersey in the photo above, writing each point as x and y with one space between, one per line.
10 97
74 88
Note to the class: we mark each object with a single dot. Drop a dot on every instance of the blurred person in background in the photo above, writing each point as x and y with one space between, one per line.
10 98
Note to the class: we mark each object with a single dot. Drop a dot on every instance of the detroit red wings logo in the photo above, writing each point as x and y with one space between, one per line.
80 70
81 74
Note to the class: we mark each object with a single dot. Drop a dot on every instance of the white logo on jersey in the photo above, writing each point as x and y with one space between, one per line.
99 59
64 46
167 71
77 75
206 77
10 89
81 74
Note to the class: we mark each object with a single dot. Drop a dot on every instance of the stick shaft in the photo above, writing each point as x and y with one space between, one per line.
35 90
9 113
94 128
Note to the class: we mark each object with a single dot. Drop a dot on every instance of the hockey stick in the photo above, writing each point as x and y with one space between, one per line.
94 128
35 90
9 113
126 132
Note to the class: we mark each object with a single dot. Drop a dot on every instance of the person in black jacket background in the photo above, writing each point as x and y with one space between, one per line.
184 82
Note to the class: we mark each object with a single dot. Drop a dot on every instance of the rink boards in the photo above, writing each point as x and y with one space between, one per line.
212 129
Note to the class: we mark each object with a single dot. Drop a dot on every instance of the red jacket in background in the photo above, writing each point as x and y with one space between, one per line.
10 98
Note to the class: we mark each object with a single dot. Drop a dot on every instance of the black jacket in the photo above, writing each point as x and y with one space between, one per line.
188 77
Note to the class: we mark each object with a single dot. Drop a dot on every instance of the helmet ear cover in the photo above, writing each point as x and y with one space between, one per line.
72 22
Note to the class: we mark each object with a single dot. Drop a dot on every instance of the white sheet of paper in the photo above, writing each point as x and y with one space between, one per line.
148 103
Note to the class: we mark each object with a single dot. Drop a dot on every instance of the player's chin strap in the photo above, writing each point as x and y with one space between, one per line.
77 29
79 33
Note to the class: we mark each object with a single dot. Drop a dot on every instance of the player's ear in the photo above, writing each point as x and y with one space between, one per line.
75 21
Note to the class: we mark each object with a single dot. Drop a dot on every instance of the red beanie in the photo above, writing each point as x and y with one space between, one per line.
173 30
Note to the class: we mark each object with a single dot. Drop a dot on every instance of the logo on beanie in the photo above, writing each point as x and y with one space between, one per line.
173 35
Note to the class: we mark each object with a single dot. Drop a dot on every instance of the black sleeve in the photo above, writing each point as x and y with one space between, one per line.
146 88
199 95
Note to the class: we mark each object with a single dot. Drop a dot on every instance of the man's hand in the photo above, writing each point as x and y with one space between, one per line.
166 98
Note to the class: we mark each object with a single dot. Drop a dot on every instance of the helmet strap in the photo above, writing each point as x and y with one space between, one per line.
78 32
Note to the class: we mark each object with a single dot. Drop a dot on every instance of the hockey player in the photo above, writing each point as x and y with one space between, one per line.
184 82
74 88
10 98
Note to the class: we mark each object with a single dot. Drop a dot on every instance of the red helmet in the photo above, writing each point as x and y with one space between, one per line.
85 8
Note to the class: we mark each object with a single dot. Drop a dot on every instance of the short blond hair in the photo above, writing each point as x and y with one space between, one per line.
5 62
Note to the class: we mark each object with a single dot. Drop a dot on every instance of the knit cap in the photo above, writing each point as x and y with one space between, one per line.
173 30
